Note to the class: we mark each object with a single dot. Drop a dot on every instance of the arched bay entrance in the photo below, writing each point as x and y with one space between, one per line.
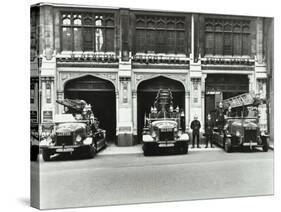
223 86
100 94
146 93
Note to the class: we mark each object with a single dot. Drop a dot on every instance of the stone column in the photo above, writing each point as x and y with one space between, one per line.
43 98
259 41
47 107
60 108
135 113
202 109
192 37
251 83
117 111
261 87
187 110
203 78
47 30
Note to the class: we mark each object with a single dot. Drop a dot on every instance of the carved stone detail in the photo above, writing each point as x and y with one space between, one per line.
49 53
196 83
66 76
139 77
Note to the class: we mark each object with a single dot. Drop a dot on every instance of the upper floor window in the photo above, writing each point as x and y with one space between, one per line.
87 32
158 34
227 37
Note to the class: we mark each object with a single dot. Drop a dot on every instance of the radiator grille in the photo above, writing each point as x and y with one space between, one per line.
250 135
64 140
163 136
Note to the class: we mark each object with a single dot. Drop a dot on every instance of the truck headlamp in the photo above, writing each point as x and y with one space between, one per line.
237 133
147 138
184 137
87 141
78 138
263 133
153 134
179 133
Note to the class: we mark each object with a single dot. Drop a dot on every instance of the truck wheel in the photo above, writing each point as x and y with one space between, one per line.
265 144
227 145
92 152
146 150
46 155
183 149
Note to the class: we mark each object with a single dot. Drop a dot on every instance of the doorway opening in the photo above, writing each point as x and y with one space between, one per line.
147 91
100 94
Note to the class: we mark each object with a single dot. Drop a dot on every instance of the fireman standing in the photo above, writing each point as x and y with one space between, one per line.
220 117
209 126
195 126
229 112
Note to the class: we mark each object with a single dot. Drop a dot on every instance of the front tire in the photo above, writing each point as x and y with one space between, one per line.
183 149
146 150
227 145
92 151
46 155
265 144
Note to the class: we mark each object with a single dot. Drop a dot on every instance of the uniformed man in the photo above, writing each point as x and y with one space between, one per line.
209 126
229 112
220 117
195 126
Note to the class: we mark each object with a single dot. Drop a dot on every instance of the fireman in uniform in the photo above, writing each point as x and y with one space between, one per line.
209 126
220 117
195 126
229 112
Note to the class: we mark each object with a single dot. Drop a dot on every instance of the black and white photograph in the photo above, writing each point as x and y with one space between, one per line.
139 105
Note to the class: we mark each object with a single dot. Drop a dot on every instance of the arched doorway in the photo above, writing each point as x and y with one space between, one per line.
100 94
223 86
146 93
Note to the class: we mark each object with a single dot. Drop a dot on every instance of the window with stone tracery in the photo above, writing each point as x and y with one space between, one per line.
157 34
227 37
87 32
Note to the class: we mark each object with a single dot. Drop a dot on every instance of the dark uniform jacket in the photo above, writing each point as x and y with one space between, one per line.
220 115
229 113
195 126
209 126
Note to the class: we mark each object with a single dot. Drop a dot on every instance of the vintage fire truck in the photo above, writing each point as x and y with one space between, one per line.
163 126
243 128
76 131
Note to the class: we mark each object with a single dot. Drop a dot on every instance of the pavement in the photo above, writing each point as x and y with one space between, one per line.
112 149
133 178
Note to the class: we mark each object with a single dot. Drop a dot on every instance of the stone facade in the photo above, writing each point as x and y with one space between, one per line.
127 65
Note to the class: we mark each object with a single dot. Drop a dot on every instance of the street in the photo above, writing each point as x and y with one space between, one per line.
133 178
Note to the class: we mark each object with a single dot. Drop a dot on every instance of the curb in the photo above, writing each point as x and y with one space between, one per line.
141 152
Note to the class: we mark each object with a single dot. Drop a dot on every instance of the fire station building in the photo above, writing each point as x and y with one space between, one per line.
116 59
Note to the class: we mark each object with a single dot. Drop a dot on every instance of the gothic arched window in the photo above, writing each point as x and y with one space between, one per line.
227 37
160 34
87 32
